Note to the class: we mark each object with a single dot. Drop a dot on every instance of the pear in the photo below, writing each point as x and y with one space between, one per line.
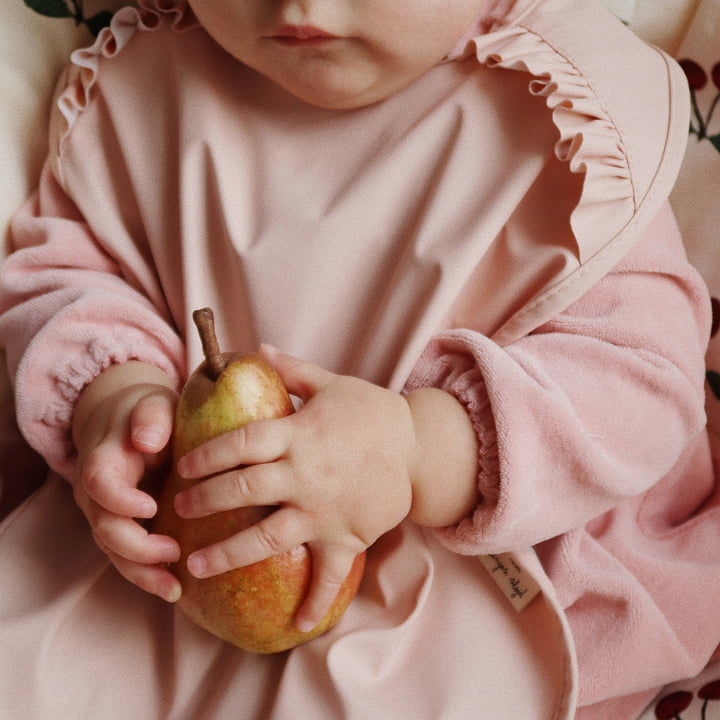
252 607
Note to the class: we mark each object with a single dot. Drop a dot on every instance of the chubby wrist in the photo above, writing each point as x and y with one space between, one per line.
109 382
444 466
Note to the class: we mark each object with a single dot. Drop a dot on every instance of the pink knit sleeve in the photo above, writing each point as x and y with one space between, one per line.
592 407
66 313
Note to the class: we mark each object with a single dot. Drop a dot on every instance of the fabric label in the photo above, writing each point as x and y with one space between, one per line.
516 584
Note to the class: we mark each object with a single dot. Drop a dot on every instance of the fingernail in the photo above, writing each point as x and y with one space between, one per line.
305 625
147 508
173 553
269 349
197 565
173 594
148 436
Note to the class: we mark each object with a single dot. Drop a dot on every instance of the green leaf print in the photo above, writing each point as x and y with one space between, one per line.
50 8
97 22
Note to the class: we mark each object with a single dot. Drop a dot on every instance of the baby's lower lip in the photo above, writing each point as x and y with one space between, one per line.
302 35
296 41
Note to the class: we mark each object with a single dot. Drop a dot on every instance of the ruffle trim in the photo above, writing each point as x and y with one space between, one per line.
589 143
82 73
492 15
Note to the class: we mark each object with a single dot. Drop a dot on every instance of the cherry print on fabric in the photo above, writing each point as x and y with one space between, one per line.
672 706
713 376
697 78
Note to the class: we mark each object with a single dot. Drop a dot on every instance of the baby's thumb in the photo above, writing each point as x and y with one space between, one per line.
151 422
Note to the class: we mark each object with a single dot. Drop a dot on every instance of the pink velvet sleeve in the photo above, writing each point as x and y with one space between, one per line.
55 319
592 407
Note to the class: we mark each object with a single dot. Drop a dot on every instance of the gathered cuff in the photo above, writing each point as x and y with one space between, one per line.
78 346
456 373
470 533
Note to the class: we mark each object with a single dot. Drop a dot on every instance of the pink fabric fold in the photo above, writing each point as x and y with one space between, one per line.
78 641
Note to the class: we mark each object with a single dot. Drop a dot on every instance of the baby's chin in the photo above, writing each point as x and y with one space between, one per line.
342 94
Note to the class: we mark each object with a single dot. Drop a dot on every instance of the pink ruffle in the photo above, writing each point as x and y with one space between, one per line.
589 142
82 74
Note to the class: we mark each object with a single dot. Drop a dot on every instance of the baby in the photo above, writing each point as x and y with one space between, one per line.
451 221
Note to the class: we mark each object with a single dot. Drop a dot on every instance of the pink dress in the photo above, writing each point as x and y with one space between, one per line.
498 229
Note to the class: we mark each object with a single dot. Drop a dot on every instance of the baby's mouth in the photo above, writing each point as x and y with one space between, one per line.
302 35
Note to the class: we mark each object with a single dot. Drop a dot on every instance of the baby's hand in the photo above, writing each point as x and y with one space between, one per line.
339 468
122 427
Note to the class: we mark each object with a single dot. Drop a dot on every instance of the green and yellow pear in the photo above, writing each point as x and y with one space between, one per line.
252 607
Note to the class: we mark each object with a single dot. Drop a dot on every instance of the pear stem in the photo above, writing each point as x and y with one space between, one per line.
205 322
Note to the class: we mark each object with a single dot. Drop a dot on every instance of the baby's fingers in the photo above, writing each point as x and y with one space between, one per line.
110 478
151 421
331 566
261 441
253 486
155 579
123 537
279 532
138 556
